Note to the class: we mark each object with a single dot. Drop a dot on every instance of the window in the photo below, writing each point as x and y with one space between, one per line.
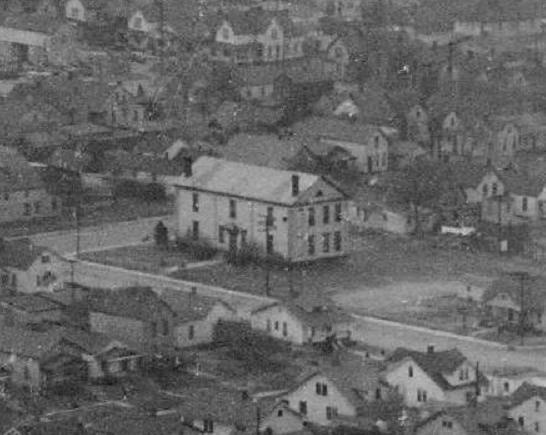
337 241
447 424
38 281
284 329
46 258
191 332
268 325
376 142
524 204
279 413
311 217
225 33
37 207
195 230
421 395
410 371
303 407
326 242
537 405
521 421
154 329
232 209
270 220
311 245
485 190
4 279
494 188
54 204
326 215
6 196
195 202
208 426
276 325
165 327
321 389
269 244
338 212
135 115
378 394
463 374
26 209
221 238
331 412
278 51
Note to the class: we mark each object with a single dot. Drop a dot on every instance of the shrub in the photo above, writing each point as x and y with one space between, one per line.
251 253
200 250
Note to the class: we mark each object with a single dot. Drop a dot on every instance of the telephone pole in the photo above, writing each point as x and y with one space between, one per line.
268 223
522 276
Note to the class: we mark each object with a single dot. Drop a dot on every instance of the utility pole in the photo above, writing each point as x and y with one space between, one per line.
477 382
522 276
269 224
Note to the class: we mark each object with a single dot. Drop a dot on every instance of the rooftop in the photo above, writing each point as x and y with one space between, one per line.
16 174
31 303
19 254
190 307
337 129
24 342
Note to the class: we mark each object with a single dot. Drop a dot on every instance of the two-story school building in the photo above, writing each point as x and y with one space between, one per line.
296 215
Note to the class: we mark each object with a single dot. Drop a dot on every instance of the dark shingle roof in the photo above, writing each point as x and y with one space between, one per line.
19 254
32 303
522 183
140 303
335 129
190 307
525 392
23 342
435 364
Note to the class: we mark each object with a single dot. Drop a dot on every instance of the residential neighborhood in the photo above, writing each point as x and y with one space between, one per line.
315 217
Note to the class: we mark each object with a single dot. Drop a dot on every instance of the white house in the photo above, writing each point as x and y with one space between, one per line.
527 406
196 317
505 381
282 420
75 10
296 215
28 268
368 143
422 377
301 322
337 390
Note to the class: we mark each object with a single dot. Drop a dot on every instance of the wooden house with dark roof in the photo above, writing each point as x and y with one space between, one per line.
136 316
433 376
526 406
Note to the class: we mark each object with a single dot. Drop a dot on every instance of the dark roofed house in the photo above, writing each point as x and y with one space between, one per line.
526 407
136 316
196 317
23 192
29 310
27 268
504 302
433 376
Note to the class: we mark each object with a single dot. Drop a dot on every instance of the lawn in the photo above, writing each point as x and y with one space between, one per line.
146 258
120 210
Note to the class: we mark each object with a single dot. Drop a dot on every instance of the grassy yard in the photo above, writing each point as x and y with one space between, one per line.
146 258
121 210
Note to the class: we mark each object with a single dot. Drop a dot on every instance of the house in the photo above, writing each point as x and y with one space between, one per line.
527 192
368 143
94 12
508 296
24 195
135 316
487 418
338 390
320 157
503 382
526 406
196 317
283 420
417 121
38 360
105 357
28 310
28 268
342 9
124 110
476 180
433 376
302 320
404 153
257 35
296 215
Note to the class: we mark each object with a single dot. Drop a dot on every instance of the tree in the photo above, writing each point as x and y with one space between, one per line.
161 235
419 186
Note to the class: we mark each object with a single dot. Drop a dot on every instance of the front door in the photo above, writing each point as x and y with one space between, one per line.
233 242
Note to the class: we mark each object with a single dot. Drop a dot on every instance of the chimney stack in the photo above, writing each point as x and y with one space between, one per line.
430 348
187 166
295 185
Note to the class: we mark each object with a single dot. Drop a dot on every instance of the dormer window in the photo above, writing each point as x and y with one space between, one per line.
410 371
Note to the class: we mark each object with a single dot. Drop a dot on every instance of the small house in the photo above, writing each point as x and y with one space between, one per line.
433 376
29 310
526 406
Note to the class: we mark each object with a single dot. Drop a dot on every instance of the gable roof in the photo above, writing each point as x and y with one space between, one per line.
19 253
520 182
435 364
525 392
140 303
337 129
31 303
248 181
24 342
191 307
534 291
88 341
